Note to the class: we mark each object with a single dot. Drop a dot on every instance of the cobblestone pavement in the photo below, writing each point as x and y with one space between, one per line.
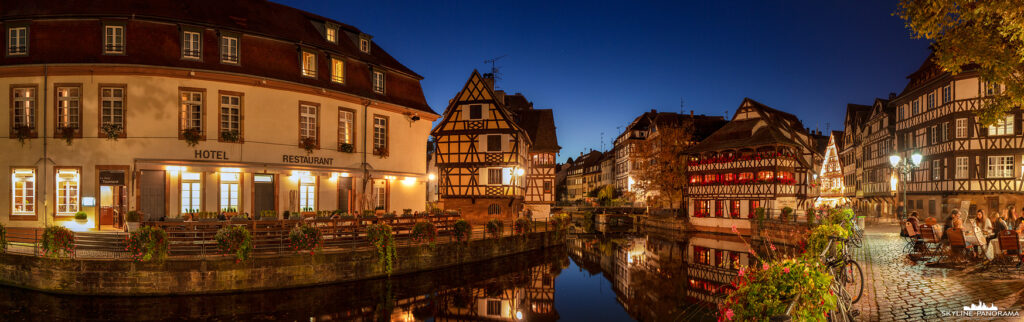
899 289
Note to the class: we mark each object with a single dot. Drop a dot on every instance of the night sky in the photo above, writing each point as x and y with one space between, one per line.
601 64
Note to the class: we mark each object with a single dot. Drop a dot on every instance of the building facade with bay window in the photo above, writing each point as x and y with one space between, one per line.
171 107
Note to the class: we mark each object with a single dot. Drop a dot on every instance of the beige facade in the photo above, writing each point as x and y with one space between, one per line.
151 146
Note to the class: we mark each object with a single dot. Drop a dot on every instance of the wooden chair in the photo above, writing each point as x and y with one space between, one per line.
913 238
957 245
1009 248
929 240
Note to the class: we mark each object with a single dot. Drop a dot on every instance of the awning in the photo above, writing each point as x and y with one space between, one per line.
261 167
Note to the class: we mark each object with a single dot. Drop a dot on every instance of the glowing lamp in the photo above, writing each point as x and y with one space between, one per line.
916 158
894 160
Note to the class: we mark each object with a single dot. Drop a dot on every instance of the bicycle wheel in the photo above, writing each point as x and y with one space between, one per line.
853 280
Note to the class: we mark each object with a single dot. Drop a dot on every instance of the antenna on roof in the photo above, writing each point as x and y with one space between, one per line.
494 68
602 141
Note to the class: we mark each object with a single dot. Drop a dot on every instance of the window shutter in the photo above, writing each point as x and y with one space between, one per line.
464 112
506 176
485 112
506 144
481 144
483 176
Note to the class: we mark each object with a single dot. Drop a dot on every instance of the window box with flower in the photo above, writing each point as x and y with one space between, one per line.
192 136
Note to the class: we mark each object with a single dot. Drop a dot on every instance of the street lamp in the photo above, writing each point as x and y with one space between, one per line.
904 167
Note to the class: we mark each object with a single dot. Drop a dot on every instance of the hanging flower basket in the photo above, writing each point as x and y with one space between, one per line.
67 133
111 131
230 136
346 147
23 133
380 151
192 136
308 144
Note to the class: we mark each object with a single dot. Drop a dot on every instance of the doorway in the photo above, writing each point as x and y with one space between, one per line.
113 199
264 196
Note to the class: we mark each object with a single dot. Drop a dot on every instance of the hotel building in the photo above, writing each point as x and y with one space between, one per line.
168 107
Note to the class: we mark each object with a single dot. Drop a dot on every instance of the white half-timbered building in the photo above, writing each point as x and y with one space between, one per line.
877 191
830 176
762 158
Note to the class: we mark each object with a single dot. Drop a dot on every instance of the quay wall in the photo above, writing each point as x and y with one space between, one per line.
224 275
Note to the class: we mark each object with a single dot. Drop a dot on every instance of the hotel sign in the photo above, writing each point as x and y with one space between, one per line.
307 160
211 154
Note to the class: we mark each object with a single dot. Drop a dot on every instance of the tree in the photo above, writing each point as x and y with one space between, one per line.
661 165
984 34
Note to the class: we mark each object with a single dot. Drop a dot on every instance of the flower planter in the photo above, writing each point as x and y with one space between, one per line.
132 226
81 221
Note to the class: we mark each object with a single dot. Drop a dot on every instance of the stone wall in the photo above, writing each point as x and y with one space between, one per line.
223 275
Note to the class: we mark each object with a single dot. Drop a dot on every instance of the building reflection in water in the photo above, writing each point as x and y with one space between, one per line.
513 288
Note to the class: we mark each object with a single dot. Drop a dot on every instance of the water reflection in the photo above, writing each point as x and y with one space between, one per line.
503 289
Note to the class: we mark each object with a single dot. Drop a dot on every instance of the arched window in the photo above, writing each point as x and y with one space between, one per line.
494 209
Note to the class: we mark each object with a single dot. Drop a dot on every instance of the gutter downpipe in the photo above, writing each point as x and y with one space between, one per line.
42 178
366 166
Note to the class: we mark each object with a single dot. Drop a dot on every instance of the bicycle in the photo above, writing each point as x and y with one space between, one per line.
847 279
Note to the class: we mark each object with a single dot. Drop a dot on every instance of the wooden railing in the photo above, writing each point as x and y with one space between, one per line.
196 239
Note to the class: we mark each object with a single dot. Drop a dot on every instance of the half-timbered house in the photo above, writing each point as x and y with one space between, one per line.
481 155
830 176
762 158
966 165
539 124
850 151
877 145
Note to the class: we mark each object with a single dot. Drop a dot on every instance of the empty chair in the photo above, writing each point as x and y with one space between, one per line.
913 238
929 239
1009 246
957 244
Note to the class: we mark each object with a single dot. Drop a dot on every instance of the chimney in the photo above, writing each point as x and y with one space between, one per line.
691 114
489 80
892 95
499 94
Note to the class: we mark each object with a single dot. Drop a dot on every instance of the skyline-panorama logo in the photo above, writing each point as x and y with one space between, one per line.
979 310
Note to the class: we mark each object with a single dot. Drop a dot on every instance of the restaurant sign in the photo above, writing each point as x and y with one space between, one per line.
307 160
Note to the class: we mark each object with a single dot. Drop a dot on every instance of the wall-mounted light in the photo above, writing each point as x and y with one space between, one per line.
389 178
231 170
409 181
431 177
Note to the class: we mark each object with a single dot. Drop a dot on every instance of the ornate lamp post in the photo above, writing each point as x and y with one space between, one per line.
904 167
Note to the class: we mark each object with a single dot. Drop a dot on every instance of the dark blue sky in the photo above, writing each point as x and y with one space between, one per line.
601 64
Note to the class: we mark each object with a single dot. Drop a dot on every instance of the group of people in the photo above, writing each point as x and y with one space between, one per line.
986 228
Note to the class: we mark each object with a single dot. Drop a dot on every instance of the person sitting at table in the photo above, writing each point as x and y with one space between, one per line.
913 220
998 226
1011 218
982 221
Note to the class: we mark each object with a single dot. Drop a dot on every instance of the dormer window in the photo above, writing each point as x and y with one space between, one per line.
331 32
308 64
378 82
229 49
191 45
364 43
113 39
17 41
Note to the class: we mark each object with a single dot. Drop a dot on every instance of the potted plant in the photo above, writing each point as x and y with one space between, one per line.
346 147
111 131
379 211
462 229
23 133
308 144
192 136
229 212
67 133
380 151
786 211
406 212
307 212
495 228
230 136
132 220
81 217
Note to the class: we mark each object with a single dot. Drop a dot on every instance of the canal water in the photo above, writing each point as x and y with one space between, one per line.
618 276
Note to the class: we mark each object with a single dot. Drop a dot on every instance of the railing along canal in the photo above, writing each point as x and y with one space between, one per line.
196 239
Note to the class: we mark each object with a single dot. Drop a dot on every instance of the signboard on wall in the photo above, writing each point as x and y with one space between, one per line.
112 178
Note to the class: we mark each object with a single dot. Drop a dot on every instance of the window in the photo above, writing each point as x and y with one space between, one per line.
332 33
702 208
191 192
992 89
920 136
346 126
476 112
191 45
1000 166
17 41
902 115
229 191
380 135
308 64
192 111
947 94
229 49
961 128
68 182
931 100
113 39
1002 127
914 107
337 70
494 143
364 45
380 194
936 169
231 117
307 193
494 209
23 192
934 134
112 107
307 121
494 176
494 307
378 82
719 208
69 103
734 209
961 167
547 186
754 204
24 107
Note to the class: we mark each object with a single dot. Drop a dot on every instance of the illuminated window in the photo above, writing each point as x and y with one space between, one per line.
192 111
332 33
494 307
23 194
346 126
307 193
765 175
719 208
67 192
961 128
24 107
961 167
364 45
191 45
17 41
229 183
746 177
1000 166
191 192
380 194
734 208
308 64
69 111
229 49
378 82
113 39
1002 127
337 70
936 170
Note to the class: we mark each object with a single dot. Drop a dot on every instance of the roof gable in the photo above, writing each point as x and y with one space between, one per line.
476 90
